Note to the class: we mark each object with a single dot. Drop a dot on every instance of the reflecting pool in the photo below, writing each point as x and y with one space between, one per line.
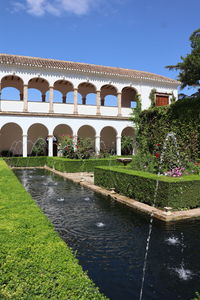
110 241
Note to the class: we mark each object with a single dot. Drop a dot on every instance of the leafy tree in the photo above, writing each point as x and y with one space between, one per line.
189 67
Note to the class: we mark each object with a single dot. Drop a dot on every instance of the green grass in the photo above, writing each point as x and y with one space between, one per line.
34 261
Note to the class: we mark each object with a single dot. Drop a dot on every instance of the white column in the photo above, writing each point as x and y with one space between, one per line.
25 145
97 144
119 103
51 90
50 145
25 96
118 143
75 101
98 103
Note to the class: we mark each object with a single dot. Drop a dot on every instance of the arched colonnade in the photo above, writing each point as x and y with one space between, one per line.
38 89
20 139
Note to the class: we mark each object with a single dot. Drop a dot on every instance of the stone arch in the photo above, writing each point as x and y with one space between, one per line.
35 132
59 130
108 137
129 97
87 131
128 145
64 87
108 95
38 83
86 88
62 129
11 139
10 84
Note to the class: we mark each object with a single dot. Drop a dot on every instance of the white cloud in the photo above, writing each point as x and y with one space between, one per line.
54 7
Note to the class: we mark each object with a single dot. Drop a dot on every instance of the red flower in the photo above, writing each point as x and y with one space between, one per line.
157 154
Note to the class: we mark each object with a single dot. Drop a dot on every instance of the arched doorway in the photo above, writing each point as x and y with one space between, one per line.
11 140
128 146
59 131
37 140
108 140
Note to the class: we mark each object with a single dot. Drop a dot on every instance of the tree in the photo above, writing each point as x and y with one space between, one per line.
189 67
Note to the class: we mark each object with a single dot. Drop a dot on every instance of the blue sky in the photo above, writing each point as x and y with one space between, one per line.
142 35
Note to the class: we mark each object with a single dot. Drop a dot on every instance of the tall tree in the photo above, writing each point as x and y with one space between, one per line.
189 67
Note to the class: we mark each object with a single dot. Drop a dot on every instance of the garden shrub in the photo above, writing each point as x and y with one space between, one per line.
35 161
78 165
182 192
35 263
39 147
127 145
182 118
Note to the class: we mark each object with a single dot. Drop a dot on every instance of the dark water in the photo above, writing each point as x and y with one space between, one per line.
110 241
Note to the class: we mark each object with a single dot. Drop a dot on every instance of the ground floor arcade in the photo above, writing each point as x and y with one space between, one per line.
18 134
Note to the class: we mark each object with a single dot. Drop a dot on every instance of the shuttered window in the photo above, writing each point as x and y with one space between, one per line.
162 100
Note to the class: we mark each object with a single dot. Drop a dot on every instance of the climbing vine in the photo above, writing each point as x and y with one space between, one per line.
182 117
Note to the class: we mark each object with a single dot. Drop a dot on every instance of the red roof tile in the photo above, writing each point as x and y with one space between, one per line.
80 67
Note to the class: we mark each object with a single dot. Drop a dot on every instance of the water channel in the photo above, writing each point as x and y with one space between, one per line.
110 241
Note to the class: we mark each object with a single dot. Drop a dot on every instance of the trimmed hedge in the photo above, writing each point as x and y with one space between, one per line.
34 261
33 161
182 192
61 164
78 165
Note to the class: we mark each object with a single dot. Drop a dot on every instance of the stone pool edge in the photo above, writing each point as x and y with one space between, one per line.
82 179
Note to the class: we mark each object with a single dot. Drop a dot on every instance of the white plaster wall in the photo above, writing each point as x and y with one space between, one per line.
146 89
38 107
87 109
63 108
9 105
126 112
109 111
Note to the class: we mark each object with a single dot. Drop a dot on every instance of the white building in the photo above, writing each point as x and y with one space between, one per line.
60 97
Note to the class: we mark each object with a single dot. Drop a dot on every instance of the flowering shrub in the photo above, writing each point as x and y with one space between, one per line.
66 145
82 150
176 172
157 150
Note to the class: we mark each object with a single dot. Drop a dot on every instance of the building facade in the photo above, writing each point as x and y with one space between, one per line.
46 98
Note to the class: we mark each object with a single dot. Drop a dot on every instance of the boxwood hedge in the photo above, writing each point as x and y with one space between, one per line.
34 262
182 192
61 164
78 165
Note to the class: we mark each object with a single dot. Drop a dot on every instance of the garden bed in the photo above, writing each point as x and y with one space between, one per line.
178 193
35 262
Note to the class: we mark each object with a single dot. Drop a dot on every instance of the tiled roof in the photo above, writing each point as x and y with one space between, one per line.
80 67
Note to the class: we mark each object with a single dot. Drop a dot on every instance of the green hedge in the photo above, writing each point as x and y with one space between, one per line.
34 261
182 118
78 165
33 161
182 192
61 164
